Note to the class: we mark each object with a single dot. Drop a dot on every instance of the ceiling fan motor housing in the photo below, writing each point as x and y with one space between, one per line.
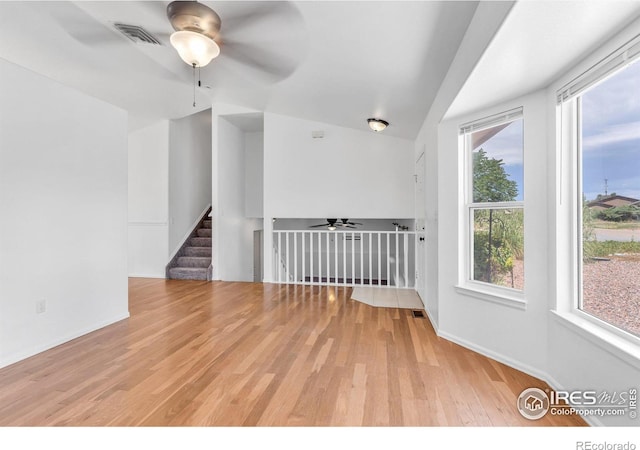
194 16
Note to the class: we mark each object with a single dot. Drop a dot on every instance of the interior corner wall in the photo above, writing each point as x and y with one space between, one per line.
511 335
149 200
487 20
219 181
236 247
63 213
254 174
190 169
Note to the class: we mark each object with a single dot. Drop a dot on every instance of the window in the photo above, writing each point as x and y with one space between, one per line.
495 200
609 159
602 124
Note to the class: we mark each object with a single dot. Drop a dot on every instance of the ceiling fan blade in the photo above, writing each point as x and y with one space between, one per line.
320 225
262 61
81 26
264 40
251 14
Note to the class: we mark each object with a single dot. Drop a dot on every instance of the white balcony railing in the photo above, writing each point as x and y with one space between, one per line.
351 258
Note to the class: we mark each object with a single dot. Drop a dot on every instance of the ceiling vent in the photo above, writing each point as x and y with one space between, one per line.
137 34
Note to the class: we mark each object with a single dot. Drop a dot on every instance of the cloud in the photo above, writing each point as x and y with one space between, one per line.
507 144
612 135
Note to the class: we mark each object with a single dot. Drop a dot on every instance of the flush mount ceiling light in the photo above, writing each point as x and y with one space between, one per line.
377 125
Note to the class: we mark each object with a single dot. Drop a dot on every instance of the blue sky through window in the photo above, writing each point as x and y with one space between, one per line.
507 145
611 135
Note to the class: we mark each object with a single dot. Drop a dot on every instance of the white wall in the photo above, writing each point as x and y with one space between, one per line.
236 246
487 19
63 213
511 334
189 174
348 173
541 339
580 355
254 174
149 200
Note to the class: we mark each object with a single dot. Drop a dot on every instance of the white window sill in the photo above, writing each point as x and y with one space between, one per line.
622 348
494 294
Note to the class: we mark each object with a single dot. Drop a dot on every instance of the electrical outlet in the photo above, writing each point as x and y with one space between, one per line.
41 306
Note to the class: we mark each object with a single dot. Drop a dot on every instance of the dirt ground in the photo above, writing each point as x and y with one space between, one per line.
611 289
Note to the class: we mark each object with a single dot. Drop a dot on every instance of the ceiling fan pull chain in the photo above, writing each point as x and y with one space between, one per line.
194 84
199 83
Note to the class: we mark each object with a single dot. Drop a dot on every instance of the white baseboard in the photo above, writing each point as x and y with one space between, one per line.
518 365
515 364
434 323
146 275
592 421
12 359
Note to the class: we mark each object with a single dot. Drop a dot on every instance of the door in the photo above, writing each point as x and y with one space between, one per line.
421 212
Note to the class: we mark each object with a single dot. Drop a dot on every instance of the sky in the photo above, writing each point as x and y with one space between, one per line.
507 145
611 135
610 138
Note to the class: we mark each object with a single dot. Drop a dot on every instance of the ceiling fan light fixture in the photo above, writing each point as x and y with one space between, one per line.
331 228
194 48
377 125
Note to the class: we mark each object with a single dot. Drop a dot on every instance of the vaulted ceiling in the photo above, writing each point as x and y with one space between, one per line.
338 62
335 62
539 42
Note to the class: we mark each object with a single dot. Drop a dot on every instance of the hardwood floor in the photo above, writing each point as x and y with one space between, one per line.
224 354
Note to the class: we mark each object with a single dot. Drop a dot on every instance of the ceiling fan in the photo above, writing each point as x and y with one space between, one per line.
262 40
333 224
198 35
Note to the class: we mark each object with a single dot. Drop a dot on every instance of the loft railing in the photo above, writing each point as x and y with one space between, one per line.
352 258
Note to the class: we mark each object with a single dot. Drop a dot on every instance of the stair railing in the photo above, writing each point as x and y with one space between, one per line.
351 258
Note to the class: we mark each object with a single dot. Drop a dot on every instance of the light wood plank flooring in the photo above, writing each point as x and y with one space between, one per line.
224 354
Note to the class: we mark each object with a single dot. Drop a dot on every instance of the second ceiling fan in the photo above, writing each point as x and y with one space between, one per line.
333 224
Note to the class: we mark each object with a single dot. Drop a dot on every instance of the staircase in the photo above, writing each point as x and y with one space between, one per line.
193 260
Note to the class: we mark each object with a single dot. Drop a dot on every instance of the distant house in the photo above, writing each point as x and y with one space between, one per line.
611 201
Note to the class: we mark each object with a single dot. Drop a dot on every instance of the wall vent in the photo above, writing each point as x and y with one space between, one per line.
137 34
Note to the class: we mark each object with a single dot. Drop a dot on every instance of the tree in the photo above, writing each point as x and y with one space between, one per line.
494 249
490 181
623 213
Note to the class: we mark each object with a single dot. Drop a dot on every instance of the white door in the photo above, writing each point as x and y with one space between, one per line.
421 212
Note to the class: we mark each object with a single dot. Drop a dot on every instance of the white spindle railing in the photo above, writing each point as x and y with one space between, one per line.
352 258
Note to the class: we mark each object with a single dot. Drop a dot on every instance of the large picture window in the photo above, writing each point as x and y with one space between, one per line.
495 200
600 166
609 198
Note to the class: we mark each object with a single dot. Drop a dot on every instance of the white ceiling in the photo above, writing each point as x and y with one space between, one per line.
340 62
538 42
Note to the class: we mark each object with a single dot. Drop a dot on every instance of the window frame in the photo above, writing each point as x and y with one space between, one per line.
578 238
568 141
495 293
